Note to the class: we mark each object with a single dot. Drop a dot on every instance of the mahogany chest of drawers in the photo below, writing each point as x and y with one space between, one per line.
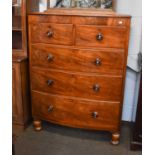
77 68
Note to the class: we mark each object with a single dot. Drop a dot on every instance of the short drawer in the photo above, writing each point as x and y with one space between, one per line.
74 112
82 60
102 21
90 86
101 36
51 33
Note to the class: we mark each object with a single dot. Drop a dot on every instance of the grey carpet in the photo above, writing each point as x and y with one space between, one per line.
58 140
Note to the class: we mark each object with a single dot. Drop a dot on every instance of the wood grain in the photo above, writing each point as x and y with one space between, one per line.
77 113
62 33
113 37
74 59
20 78
70 98
84 12
78 85
20 94
121 22
17 110
33 19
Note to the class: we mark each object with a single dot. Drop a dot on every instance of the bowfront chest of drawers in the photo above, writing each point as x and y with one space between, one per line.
77 68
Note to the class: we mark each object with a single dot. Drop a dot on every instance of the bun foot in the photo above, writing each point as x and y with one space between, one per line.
37 125
115 138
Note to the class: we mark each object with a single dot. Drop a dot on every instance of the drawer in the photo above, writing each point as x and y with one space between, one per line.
90 86
101 36
51 33
102 61
122 22
77 113
33 19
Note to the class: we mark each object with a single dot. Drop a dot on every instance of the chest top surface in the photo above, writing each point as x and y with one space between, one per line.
81 12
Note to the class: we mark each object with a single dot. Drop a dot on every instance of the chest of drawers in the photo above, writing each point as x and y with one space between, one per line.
77 68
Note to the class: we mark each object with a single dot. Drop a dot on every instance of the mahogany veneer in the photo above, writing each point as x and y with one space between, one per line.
77 67
20 78
21 113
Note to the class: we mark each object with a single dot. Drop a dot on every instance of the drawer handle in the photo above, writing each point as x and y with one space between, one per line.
99 37
97 62
50 108
50 82
50 57
94 114
49 33
96 87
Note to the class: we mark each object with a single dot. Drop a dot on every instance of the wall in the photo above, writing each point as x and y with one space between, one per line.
133 8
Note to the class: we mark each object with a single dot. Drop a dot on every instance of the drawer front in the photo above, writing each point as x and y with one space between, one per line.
101 36
51 33
80 60
122 22
90 86
33 19
76 113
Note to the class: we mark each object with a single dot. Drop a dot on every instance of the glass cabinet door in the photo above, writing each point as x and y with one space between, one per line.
39 5
16 24
43 5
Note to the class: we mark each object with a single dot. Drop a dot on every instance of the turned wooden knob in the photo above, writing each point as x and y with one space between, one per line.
49 34
94 114
50 108
99 37
50 82
97 62
96 87
50 57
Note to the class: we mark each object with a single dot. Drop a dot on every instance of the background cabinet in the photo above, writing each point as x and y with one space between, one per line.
20 93
20 89
19 37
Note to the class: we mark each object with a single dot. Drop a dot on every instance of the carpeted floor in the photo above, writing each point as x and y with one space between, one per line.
58 140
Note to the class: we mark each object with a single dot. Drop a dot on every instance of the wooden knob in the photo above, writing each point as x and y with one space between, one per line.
50 57
49 34
50 82
97 62
99 37
50 108
94 114
96 87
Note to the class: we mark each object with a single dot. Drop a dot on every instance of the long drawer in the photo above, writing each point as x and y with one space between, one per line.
82 60
90 86
100 36
51 33
76 113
